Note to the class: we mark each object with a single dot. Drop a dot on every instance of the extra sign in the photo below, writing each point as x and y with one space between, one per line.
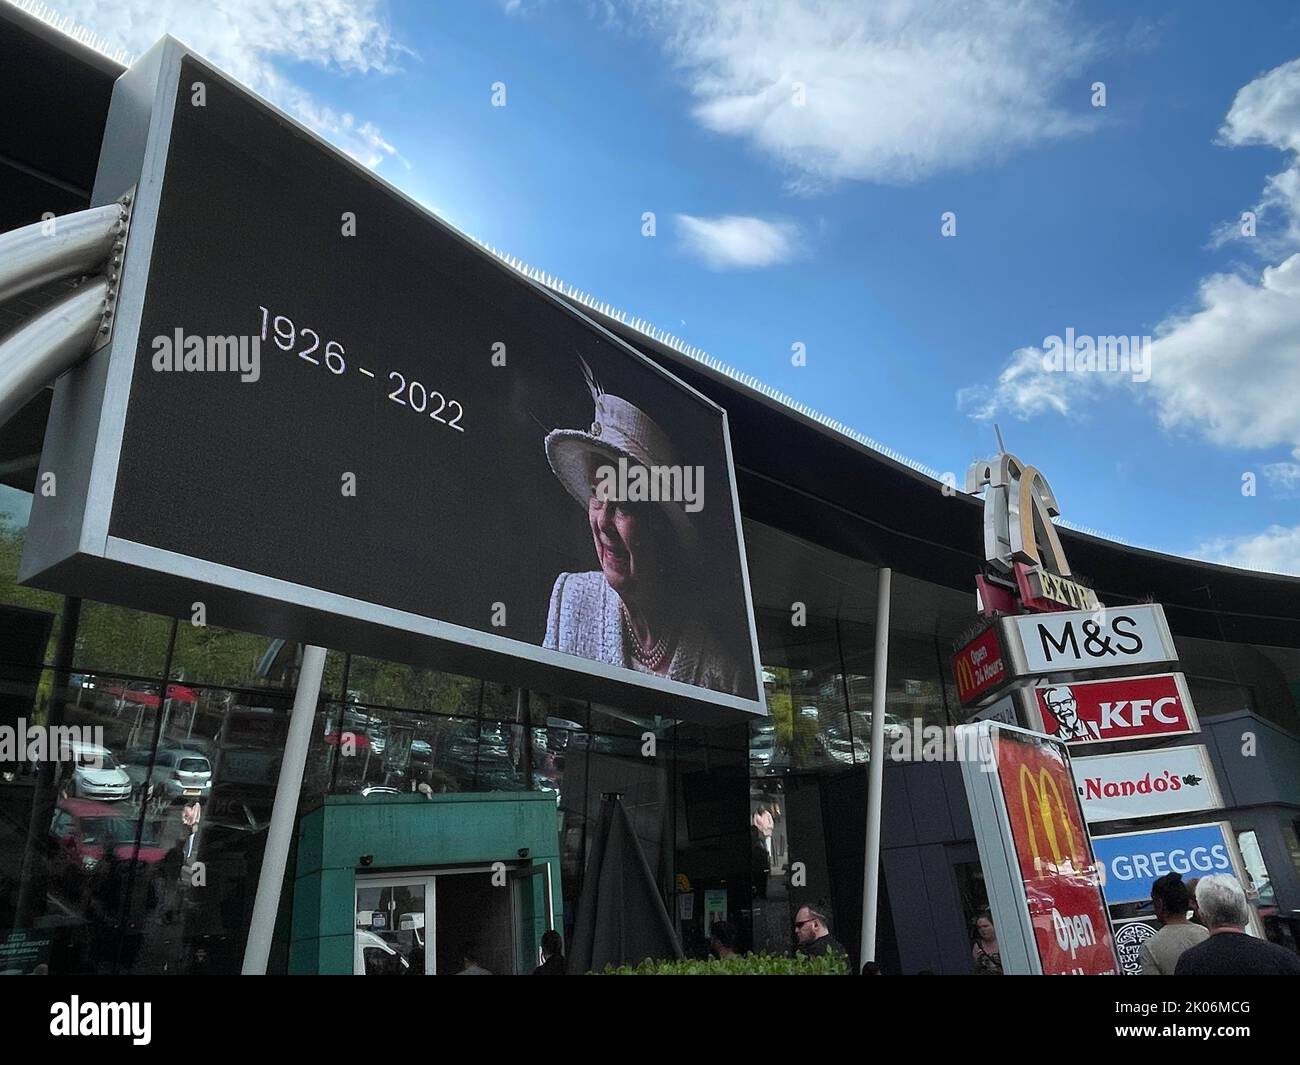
1108 639
1124 708
1167 780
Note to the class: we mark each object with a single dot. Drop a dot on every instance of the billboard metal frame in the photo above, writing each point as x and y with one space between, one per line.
74 548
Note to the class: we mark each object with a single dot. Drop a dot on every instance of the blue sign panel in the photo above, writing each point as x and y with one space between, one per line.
1134 861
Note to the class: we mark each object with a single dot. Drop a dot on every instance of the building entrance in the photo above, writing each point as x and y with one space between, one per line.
401 885
474 920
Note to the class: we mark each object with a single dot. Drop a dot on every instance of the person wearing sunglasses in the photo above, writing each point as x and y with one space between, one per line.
813 935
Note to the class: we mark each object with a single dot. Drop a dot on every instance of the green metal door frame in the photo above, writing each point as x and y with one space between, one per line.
391 835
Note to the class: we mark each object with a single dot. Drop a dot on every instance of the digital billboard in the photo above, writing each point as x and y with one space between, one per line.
326 415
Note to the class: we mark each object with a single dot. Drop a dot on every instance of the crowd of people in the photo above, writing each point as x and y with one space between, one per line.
1202 933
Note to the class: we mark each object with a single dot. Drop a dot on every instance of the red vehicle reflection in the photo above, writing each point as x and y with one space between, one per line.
81 829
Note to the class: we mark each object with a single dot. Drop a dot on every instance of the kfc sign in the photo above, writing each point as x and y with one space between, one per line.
1167 780
1102 639
980 667
1126 708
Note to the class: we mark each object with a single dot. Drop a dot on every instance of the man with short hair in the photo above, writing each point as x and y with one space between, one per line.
552 955
813 934
1229 951
1170 901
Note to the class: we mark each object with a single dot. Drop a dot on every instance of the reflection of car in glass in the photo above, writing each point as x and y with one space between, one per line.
841 748
373 957
95 774
478 759
81 829
178 773
766 754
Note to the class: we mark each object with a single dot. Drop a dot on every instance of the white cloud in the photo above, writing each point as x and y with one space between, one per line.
247 38
892 91
737 242
1267 111
1024 389
1284 477
1229 368
1276 550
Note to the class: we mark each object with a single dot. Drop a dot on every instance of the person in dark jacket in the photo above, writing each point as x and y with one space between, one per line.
552 955
813 935
1229 951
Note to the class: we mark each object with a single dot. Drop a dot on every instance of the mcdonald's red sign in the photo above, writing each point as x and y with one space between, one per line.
980 667
1061 876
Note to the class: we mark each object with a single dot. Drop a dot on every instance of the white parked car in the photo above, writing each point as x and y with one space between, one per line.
372 955
178 773
95 773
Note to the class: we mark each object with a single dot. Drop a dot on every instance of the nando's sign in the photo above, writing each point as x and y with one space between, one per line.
1021 543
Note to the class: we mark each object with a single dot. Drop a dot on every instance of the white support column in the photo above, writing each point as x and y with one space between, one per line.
875 772
280 833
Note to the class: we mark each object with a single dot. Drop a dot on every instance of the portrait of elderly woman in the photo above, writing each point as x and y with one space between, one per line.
638 608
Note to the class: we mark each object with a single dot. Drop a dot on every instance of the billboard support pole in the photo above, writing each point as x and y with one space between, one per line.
42 348
875 772
280 833
60 247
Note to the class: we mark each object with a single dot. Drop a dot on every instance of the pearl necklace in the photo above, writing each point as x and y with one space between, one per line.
652 659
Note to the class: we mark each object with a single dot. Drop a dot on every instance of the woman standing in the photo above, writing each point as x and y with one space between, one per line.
984 951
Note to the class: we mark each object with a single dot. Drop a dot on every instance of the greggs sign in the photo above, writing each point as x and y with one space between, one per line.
1125 708
1060 877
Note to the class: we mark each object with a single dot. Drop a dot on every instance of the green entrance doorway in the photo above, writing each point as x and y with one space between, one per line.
399 885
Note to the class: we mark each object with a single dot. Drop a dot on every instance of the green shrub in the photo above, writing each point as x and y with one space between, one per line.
748 965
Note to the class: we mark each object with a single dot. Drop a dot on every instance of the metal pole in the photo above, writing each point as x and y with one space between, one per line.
875 772
280 833
59 247
39 350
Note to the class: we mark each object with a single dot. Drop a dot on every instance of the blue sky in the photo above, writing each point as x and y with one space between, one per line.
799 157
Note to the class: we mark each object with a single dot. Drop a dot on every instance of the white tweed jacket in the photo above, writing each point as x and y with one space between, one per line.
585 619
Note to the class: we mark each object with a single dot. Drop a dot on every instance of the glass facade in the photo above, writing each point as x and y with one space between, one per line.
137 849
